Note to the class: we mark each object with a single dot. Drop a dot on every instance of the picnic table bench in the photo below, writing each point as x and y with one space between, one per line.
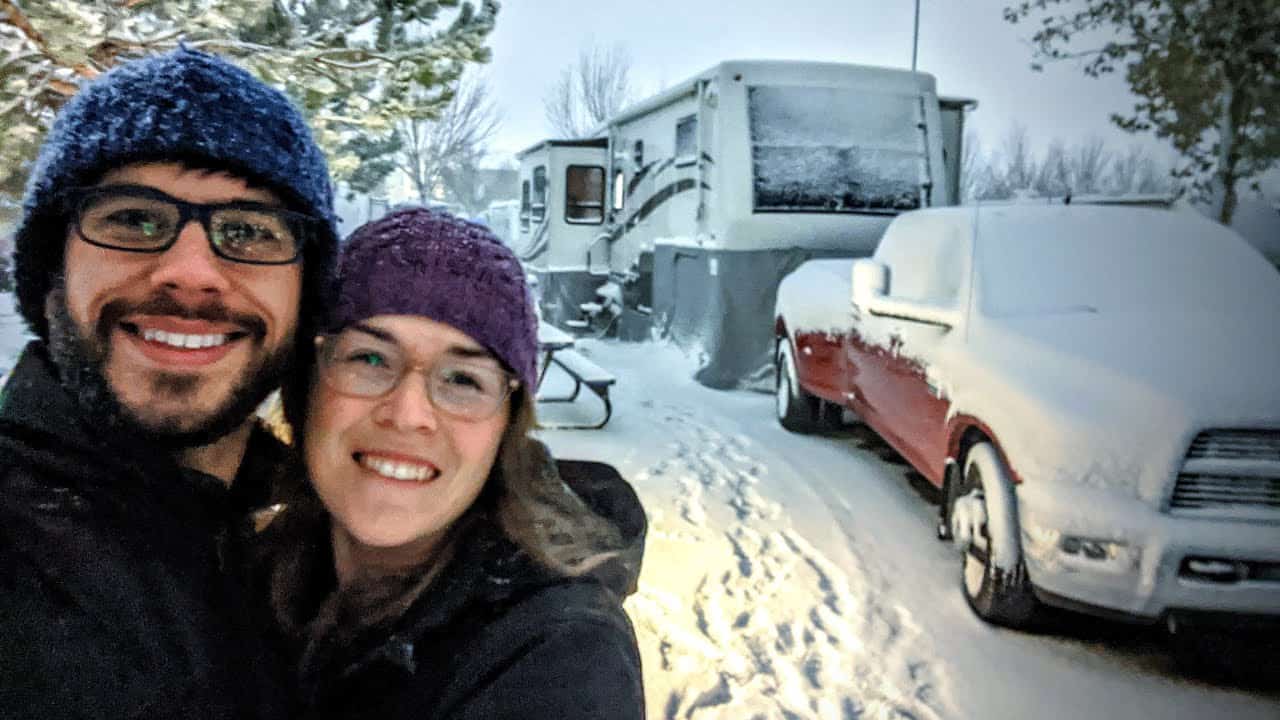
557 349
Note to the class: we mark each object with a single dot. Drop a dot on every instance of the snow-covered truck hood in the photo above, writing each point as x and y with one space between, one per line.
816 296
1113 400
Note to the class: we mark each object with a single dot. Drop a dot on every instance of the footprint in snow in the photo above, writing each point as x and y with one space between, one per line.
778 631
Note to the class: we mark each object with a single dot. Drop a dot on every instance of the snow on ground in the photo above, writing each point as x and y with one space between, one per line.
740 614
13 334
798 577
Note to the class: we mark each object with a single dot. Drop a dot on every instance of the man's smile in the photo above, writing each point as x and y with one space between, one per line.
174 341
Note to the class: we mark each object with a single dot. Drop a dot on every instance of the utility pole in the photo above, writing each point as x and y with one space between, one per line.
915 37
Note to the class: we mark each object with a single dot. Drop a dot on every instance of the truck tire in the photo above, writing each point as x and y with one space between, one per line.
797 410
982 506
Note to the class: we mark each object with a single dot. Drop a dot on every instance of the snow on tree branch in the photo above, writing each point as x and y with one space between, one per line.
355 66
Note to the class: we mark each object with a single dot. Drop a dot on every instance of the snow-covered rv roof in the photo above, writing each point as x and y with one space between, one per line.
586 142
800 68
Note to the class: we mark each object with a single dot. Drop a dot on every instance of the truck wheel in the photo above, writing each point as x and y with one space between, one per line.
983 515
950 479
797 410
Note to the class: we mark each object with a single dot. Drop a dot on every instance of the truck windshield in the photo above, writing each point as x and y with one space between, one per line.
1081 259
835 150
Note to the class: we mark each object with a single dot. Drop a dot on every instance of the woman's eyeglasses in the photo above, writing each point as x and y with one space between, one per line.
136 218
357 363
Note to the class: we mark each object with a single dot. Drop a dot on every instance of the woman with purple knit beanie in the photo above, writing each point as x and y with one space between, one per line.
438 563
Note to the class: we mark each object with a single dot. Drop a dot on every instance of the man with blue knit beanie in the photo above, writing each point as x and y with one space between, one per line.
177 241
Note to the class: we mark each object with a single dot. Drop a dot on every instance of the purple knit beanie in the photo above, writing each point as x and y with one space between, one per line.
428 263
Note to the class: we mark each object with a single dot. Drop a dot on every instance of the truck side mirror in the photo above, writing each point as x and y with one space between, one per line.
870 280
870 290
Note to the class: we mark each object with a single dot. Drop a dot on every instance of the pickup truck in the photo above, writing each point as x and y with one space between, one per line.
1094 391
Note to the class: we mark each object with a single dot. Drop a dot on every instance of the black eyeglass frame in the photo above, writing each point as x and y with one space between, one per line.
76 200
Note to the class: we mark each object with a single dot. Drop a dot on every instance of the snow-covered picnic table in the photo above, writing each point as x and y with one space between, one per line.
556 347
551 340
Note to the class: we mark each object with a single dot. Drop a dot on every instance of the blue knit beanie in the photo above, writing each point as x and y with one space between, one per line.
432 264
183 106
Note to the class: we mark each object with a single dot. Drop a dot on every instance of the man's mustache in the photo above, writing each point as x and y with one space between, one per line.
164 304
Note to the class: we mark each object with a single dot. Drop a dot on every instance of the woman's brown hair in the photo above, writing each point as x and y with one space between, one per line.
537 510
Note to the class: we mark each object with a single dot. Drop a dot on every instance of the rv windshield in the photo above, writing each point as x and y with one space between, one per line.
836 150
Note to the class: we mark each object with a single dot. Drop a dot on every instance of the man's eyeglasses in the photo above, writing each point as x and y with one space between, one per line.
135 218
354 362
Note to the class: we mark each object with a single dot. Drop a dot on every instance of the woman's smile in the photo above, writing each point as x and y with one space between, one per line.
393 466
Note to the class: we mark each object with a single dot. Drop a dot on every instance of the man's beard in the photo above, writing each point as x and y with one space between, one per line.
81 358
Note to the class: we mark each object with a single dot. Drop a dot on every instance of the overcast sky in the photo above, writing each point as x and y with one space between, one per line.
965 44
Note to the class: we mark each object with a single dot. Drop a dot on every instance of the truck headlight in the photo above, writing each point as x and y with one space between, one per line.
1099 554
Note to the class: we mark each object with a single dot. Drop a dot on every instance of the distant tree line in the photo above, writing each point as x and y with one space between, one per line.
1206 75
1013 168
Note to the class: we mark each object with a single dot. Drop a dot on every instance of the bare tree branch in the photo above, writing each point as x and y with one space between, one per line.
602 77
437 151
588 93
1134 171
561 107
1088 162
1019 162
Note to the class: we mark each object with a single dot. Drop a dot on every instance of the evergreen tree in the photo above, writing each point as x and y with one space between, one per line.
1205 72
355 66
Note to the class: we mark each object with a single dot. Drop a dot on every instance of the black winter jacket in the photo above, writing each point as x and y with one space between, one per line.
122 589
498 637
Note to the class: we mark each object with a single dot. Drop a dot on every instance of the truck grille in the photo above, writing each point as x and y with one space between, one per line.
1230 470
1236 445
1215 491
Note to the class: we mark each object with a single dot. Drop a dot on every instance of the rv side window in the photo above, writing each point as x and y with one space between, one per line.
637 154
539 193
525 209
619 190
584 194
687 140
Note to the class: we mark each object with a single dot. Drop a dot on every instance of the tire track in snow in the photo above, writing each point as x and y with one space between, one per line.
774 628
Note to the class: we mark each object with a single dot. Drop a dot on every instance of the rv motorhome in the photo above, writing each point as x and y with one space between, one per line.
680 217
503 218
